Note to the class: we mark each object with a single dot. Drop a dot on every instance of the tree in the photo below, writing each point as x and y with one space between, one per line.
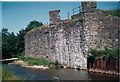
22 32
13 45
9 40
33 24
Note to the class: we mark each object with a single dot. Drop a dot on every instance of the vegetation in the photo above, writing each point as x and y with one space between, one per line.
36 28
105 54
13 45
80 19
36 61
115 12
8 75
9 44
21 55
75 19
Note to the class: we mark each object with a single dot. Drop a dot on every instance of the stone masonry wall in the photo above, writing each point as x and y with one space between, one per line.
88 7
62 43
69 42
102 30
54 17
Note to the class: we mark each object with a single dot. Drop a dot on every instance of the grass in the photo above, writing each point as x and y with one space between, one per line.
8 75
114 12
35 28
75 19
36 61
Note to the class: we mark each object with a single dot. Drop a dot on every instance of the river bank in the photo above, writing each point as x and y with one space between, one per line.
104 72
62 74
42 67
24 64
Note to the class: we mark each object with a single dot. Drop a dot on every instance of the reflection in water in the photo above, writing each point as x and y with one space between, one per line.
62 74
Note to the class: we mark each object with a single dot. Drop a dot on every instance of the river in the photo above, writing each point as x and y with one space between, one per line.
62 74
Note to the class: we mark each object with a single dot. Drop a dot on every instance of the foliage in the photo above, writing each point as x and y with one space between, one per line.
13 45
36 61
21 34
105 54
33 24
114 12
9 46
95 53
8 75
21 55
111 53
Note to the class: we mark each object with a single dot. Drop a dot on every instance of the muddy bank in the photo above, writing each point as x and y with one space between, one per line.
104 72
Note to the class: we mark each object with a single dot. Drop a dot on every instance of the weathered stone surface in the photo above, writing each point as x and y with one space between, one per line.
89 7
54 16
102 30
64 44
69 42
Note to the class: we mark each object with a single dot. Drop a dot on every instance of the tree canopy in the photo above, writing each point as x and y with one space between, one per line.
13 45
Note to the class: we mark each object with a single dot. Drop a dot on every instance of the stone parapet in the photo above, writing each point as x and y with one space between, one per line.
54 17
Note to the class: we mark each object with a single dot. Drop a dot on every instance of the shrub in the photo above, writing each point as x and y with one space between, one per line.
21 55
114 12
95 53
106 53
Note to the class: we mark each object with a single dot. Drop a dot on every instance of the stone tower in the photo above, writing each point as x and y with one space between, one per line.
88 7
54 17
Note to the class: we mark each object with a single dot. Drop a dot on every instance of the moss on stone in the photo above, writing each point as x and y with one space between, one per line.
75 19
35 29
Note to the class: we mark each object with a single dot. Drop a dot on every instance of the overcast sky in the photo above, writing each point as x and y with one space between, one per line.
17 15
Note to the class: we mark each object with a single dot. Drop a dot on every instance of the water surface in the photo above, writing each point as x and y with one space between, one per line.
62 74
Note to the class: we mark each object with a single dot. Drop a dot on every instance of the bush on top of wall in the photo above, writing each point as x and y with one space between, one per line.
105 54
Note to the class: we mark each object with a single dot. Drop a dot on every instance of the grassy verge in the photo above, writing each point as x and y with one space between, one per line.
8 75
114 12
36 61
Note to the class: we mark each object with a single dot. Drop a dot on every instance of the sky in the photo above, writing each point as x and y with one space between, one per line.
17 15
